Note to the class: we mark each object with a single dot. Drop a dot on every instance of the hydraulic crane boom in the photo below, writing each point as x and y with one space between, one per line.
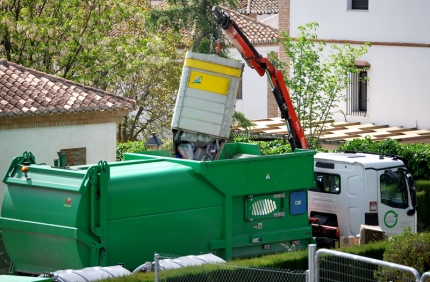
262 65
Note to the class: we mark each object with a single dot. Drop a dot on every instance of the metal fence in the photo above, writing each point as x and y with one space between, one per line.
425 277
329 265
221 272
324 266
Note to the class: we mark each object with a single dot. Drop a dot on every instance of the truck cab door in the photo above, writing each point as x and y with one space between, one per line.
395 205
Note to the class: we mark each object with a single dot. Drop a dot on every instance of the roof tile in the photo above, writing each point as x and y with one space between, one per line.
24 91
256 31
258 7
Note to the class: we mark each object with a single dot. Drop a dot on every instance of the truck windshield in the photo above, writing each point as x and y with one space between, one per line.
393 191
327 183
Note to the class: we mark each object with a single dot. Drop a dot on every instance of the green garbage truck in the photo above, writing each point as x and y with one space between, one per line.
242 204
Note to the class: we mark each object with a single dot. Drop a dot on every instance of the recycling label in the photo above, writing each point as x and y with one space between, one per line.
390 218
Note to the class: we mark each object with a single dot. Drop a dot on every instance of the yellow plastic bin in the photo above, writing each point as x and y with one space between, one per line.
207 95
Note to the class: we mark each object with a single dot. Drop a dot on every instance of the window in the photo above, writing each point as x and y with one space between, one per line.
75 156
360 4
327 183
239 91
393 191
356 96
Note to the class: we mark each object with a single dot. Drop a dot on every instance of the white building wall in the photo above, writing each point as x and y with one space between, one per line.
385 21
271 21
397 92
45 142
264 17
254 87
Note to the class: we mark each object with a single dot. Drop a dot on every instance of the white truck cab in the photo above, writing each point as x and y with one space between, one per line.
357 188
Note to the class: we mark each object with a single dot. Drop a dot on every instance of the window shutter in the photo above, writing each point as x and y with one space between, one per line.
360 4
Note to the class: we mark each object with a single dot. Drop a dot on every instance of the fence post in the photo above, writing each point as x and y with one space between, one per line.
157 268
311 262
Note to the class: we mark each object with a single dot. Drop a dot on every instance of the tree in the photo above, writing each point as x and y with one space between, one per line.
104 44
71 39
194 18
316 81
153 85
240 120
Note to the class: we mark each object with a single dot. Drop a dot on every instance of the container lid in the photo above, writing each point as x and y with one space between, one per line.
214 59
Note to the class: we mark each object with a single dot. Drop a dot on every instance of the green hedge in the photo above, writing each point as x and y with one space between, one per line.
423 208
422 185
296 261
129 147
135 147
417 155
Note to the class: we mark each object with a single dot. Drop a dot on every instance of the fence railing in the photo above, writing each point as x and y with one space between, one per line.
337 266
425 277
324 266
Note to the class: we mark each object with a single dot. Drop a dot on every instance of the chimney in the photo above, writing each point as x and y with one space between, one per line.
4 62
284 24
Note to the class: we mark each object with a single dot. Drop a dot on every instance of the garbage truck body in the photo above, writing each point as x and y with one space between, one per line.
242 204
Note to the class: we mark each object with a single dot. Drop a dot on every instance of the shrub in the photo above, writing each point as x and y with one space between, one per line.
422 185
411 249
135 147
129 147
423 209
273 147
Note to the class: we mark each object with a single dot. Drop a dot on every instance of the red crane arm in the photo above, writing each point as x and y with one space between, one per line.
263 66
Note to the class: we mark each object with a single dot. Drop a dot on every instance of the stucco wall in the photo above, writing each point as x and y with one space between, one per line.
254 88
395 20
264 17
398 94
45 142
271 21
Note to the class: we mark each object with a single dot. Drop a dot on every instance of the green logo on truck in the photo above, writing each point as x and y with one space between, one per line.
390 219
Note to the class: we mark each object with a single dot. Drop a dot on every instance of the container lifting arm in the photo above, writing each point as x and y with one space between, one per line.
262 65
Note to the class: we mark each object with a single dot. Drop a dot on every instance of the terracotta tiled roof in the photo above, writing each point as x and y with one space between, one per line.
244 3
259 7
256 31
25 92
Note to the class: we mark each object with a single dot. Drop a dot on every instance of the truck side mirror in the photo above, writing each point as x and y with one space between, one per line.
412 189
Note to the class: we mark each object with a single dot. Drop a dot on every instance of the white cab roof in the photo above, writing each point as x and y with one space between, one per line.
365 160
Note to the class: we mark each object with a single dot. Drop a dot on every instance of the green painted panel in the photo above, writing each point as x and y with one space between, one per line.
133 241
